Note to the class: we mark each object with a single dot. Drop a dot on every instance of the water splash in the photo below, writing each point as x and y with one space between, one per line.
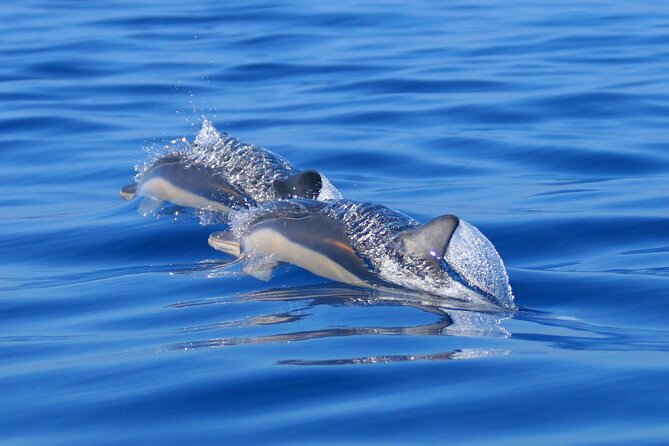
247 166
155 152
476 260
328 191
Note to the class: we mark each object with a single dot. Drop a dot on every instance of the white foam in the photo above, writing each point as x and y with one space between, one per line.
208 136
476 260
328 191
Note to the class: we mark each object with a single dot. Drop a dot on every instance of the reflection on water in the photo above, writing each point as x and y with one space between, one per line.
56 280
472 353
340 294
450 320
256 321
566 333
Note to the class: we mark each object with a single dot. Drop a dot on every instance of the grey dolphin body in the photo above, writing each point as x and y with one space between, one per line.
221 173
368 244
175 179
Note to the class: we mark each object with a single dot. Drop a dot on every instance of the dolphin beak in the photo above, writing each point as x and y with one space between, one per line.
129 192
225 242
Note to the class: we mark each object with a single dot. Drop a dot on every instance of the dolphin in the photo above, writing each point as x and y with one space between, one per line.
176 179
221 173
368 245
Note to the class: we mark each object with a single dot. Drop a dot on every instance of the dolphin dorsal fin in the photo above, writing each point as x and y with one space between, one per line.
431 239
305 184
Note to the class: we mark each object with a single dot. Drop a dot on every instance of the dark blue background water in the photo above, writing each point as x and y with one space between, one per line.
546 125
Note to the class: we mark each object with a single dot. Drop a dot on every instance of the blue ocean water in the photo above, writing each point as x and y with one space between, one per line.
545 124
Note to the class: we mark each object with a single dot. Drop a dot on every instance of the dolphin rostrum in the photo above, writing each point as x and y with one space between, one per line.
368 245
220 173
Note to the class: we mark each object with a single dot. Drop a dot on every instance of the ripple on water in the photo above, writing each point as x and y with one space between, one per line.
543 124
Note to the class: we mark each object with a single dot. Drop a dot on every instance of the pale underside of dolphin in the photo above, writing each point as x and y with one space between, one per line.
312 242
368 245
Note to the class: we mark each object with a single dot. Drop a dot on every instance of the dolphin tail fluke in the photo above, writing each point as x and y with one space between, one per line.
129 192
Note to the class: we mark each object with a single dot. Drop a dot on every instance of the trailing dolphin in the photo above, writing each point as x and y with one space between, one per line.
173 178
368 245
220 173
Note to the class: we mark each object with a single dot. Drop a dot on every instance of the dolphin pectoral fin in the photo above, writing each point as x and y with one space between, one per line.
305 184
129 192
225 242
148 206
261 268
431 239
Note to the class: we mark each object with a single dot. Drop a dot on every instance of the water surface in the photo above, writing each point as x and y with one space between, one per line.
545 125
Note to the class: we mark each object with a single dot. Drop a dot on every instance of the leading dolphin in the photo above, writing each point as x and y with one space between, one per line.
368 244
220 173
